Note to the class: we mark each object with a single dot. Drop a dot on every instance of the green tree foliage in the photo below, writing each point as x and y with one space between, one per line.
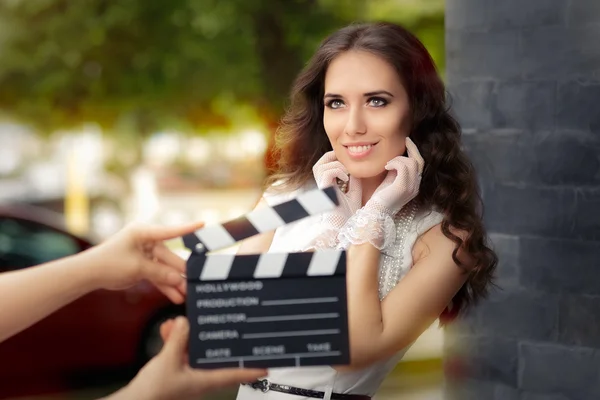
138 65
425 18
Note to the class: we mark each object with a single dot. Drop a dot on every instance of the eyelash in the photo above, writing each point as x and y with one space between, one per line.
383 101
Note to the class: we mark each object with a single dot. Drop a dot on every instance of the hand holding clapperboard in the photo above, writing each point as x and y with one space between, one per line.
266 310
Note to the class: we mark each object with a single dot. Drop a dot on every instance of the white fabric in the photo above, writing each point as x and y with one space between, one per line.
328 171
368 225
294 237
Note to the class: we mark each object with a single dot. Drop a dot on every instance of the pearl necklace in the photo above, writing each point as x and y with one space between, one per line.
391 264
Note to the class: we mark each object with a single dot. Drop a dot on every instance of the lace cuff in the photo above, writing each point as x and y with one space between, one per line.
327 229
368 225
327 239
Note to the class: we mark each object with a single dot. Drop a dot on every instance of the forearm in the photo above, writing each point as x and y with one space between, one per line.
121 394
132 391
31 294
364 307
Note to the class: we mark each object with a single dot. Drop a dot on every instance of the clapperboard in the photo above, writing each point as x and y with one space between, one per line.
266 310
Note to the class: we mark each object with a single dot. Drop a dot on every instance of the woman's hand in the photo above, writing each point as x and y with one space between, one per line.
401 183
374 223
137 253
328 169
326 172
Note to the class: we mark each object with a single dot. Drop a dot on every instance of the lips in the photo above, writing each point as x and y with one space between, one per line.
358 149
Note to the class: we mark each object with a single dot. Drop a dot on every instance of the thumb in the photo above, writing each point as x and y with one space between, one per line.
176 343
221 378
166 328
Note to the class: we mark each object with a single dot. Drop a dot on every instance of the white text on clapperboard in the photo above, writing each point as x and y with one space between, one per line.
236 318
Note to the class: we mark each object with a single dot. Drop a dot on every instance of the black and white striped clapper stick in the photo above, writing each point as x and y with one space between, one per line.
267 310
261 220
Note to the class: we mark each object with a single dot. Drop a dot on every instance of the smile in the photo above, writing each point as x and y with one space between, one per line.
360 150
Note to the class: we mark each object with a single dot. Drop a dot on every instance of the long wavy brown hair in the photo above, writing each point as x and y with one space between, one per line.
449 183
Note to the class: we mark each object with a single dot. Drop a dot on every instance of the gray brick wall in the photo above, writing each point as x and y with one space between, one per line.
524 76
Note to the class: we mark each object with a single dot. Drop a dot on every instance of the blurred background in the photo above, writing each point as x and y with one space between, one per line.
155 111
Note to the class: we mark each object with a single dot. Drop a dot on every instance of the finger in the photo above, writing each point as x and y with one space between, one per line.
222 378
336 170
159 273
326 163
334 164
396 163
168 257
166 328
326 158
182 287
403 174
413 153
341 171
160 233
173 294
407 172
402 162
389 178
176 343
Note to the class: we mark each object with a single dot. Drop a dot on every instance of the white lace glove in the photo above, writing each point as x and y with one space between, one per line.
326 172
374 222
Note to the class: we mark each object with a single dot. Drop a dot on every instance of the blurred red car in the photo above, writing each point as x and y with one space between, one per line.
94 336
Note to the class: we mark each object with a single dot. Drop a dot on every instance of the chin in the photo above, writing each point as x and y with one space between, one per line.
366 172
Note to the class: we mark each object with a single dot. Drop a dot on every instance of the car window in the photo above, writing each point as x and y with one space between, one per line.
26 243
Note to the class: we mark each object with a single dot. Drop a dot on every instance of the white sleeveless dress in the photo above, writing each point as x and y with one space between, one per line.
410 224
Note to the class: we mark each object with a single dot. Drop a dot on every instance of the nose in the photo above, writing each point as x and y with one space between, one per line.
356 124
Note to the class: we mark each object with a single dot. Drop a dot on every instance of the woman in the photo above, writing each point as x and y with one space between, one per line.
369 114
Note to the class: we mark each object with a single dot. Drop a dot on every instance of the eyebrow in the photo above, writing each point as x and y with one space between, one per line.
369 94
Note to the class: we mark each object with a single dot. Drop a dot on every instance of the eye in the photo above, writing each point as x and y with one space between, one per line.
377 102
335 103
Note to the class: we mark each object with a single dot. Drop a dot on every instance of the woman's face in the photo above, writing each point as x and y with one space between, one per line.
366 116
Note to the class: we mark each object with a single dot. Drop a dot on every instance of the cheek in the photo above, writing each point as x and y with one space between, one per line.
397 144
332 126
395 134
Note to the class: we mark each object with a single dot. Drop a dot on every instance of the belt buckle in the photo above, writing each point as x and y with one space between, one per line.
265 385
